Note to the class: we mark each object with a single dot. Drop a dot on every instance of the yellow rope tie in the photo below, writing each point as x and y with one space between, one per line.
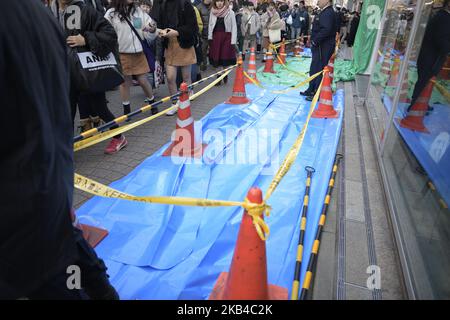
256 211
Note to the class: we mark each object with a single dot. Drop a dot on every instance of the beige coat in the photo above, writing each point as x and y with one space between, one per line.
274 23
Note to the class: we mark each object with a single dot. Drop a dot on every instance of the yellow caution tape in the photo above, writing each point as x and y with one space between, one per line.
293 152
253 209
442 90
301 74
111 133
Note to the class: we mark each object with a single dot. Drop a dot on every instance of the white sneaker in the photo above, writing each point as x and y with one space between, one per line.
173 111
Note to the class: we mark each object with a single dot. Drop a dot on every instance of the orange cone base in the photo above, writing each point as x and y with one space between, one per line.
318 113
275 292
93 235
238 100
196 152
411 124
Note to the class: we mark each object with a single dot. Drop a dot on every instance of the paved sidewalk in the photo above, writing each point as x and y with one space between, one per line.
144 140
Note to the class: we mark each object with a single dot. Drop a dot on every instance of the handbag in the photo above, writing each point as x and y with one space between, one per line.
158 74
275 35
91 73
289 20
148 52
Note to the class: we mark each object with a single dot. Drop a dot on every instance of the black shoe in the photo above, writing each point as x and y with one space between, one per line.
306 93
155 110
225 80
218 83
309 98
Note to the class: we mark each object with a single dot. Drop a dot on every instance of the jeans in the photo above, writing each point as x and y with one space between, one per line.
295 32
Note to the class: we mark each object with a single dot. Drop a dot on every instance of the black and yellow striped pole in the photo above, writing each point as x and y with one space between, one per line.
301 239
146 108
316 244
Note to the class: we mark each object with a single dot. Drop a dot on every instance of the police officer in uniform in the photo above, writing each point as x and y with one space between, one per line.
323 43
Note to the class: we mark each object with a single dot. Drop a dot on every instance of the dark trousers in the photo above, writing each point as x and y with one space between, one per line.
427 67
94 280
91 104
320 57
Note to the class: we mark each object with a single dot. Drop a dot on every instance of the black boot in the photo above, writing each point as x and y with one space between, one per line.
218 83
126 109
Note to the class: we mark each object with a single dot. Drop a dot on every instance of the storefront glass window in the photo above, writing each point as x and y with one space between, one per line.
416 151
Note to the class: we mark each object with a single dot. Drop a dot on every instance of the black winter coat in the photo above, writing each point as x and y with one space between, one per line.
36 162
178 15
100 36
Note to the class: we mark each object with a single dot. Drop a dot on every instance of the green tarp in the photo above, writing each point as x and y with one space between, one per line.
296 71
345 70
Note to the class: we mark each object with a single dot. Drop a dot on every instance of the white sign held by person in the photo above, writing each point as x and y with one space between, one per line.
91 61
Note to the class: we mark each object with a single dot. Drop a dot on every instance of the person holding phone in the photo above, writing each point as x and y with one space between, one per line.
178 30
132 24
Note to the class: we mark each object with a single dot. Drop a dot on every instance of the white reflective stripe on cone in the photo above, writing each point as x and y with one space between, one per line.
326 101
185 123
327 89
184 104
416 113
422 100
239 94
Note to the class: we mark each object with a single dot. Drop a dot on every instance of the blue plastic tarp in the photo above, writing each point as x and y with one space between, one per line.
173 252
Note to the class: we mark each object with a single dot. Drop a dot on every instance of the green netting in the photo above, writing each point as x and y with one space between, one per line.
296 71
364 42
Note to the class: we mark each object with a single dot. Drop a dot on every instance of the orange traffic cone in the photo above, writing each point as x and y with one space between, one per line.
91 234
325 108
386 66
184 143
239 96
252 66
331 66
404 91
393 80
445 71
414 118
282 54
268 67
247 279
297 49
